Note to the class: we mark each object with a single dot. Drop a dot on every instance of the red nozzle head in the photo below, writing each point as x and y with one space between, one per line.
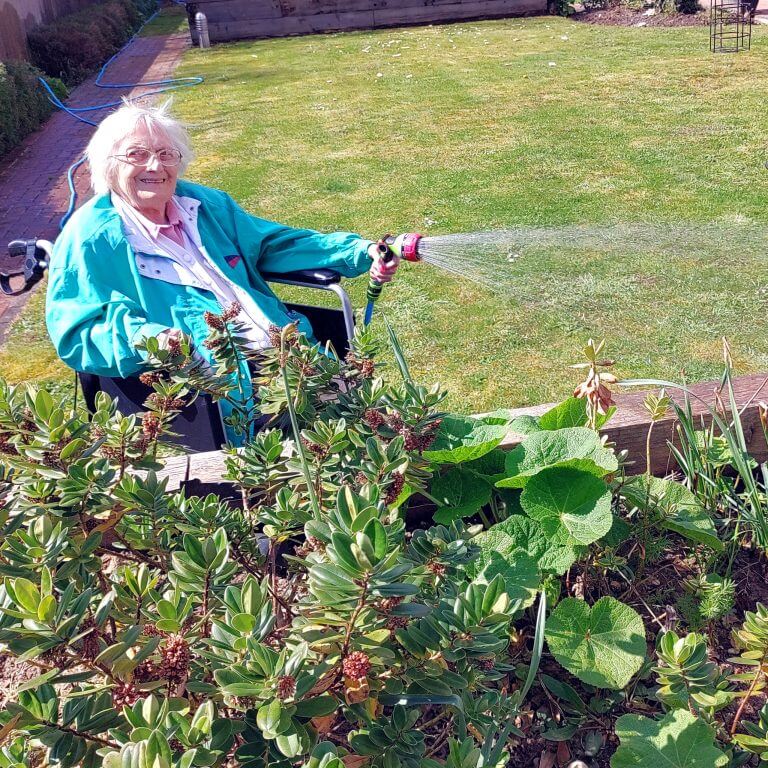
410 247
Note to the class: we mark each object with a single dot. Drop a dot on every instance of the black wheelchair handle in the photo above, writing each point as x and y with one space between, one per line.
34 256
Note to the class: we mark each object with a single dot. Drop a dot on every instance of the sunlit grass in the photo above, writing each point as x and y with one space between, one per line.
538 122
28 356
170 19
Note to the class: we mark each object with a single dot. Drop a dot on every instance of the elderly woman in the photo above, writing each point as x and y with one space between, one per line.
150 253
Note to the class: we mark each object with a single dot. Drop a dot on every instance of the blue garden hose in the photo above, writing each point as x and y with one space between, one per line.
166 85
368 313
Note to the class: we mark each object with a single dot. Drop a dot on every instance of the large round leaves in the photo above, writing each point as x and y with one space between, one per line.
576 447
569 504
501 555
520 573
529 535
464 438
603 645
678 740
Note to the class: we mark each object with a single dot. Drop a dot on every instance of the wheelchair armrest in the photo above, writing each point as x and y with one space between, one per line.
315 277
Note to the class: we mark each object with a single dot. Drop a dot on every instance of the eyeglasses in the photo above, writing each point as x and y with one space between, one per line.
142 156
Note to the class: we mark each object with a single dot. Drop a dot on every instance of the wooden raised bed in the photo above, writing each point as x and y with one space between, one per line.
628 429
251 19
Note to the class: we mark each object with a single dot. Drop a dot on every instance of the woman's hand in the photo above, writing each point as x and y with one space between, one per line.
382 271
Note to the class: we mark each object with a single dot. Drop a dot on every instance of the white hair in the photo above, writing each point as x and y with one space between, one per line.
115 129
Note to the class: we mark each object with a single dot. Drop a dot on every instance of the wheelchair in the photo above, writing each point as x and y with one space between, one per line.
199 426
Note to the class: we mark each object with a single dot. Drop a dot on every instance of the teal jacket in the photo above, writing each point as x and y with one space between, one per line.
99 306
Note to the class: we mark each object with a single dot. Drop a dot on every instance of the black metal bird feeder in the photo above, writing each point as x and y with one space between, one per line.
730 26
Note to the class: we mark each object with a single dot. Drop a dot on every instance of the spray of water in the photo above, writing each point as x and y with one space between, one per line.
496 258
662 295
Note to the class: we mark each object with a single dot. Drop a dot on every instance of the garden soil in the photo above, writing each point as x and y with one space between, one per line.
621 16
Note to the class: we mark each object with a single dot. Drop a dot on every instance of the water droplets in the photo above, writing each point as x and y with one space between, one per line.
493 258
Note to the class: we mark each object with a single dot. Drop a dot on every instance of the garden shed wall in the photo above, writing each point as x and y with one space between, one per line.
18 17
248 19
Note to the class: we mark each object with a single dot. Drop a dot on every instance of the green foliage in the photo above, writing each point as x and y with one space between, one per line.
715 595
461 493
603 645
565 501
464 438
247 634
678 740
571 413
718 465
755 740
752 637
674 507
572 506
576 447
75 45
394 744
499 557
687 678
524 532
24 104
14 754
308 626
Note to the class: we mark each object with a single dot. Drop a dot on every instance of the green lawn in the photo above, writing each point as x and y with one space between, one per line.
171 19
539 122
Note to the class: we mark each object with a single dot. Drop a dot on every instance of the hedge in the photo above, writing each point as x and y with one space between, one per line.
23 102
76 45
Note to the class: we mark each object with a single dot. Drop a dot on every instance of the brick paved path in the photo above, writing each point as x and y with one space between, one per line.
34 193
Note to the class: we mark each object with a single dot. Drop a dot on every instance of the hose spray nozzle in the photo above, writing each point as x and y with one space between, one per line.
405 246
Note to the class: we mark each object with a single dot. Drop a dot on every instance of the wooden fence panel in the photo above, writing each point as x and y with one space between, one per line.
253 19
237 11
338 8
250 29
450 11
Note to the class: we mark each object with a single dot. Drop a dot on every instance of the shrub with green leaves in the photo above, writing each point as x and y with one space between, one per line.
24 105
169 630
687 678
76 45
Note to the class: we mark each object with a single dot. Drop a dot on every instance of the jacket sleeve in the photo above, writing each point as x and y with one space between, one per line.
277 248
93 325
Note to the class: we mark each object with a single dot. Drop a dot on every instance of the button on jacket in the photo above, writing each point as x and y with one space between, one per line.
104 295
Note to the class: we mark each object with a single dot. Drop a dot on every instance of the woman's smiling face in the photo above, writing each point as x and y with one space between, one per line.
148 187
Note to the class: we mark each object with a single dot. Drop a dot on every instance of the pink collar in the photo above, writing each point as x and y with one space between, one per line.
181 213
153 230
